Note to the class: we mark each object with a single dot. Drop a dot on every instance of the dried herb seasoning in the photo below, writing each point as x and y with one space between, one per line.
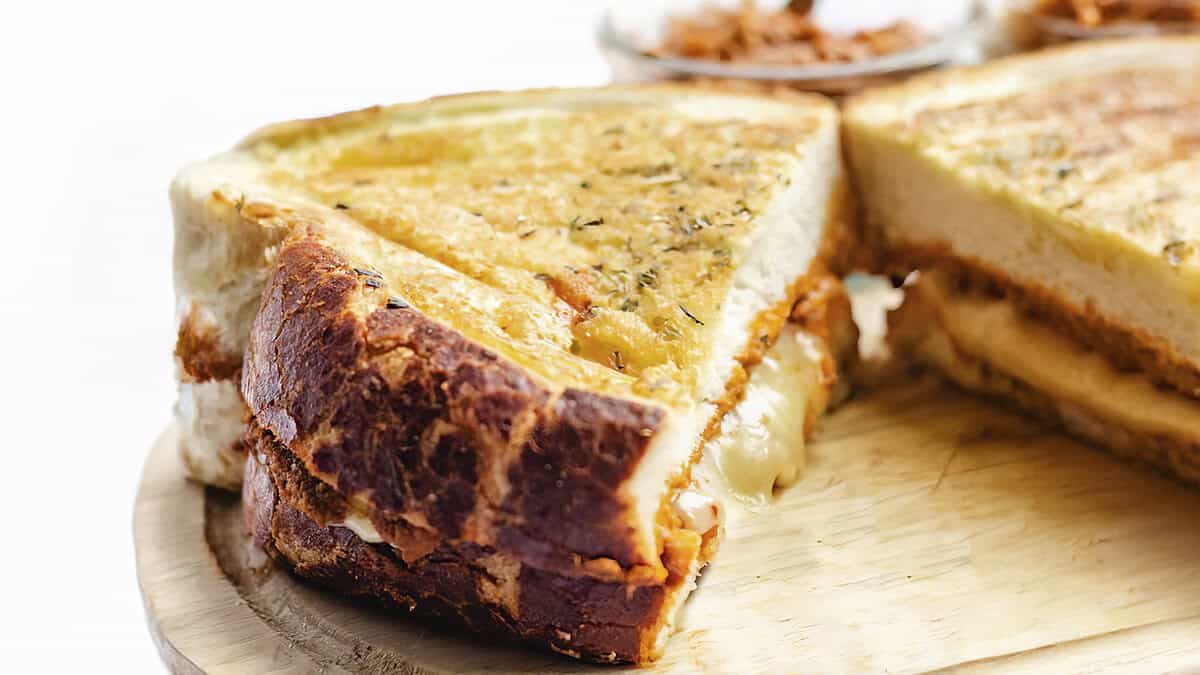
617 361
1177 252
690 315
1062 170
648 278
579 224
690 226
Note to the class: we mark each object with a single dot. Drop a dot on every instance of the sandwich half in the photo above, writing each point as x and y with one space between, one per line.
1052 205
482 340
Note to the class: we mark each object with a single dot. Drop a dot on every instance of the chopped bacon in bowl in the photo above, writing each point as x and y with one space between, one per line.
787 36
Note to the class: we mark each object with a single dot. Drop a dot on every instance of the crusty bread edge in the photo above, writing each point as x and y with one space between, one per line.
285 133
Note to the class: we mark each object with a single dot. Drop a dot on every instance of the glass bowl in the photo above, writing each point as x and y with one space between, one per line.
627 32
1030 29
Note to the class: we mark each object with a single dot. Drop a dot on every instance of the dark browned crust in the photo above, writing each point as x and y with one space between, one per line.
1176 457
288 513
200 355
1128 347
438 434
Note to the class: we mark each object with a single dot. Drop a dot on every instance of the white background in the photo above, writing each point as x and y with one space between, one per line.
103 101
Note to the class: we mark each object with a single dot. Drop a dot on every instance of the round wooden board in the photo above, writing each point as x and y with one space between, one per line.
930 532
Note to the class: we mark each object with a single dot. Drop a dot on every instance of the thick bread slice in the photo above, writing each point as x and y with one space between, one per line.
507 322
504 175
1069 174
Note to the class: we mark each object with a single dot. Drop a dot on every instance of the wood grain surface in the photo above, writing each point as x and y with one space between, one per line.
930 532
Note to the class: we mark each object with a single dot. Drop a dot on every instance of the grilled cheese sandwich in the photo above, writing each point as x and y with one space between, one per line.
499 330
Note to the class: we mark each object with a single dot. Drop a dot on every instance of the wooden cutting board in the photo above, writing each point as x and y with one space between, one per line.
931 531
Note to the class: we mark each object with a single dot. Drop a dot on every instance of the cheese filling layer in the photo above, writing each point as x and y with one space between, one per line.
994 331
761 444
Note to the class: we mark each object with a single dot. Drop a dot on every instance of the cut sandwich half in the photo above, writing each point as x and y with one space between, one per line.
495 334
1052 204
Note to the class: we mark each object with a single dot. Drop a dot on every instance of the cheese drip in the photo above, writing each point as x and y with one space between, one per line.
761 444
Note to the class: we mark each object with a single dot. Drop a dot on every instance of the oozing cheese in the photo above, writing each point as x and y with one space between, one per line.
994 331
361 526
761 443
698 511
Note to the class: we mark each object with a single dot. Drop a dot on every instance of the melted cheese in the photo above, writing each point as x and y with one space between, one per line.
871 298
361 526
698 511
761 444
994 331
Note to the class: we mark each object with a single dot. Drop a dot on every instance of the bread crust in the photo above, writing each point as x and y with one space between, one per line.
432 431
201 359
1127 346
468 585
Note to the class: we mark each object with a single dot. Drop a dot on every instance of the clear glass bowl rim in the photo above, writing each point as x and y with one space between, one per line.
936 52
